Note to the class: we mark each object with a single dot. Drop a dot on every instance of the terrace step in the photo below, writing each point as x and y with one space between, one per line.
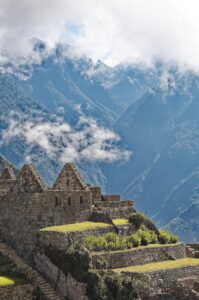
168 266
31 274
140 255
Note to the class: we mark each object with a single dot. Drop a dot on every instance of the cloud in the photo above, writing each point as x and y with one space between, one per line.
122 31
58 140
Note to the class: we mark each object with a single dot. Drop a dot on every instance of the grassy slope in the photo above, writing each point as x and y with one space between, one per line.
76 227
120 221
163 265
10 280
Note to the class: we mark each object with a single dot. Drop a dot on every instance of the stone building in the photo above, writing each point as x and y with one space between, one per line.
27 205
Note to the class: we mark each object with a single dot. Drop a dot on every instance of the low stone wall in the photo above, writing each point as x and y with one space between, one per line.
140 256
21 292
116 209
167 284
63 240
195 246
165 278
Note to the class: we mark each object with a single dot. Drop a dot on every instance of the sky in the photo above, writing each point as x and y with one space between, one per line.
113 31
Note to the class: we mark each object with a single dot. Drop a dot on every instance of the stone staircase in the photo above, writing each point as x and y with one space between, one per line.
32 275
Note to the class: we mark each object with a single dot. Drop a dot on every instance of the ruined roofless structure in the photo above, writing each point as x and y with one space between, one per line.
27 205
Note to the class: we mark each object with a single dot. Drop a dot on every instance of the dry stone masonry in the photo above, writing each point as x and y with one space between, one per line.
27 205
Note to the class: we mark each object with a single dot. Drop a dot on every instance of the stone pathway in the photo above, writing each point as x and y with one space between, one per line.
32 275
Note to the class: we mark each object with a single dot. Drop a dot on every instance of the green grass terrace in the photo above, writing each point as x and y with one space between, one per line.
163 265
119 222
82 226
10 280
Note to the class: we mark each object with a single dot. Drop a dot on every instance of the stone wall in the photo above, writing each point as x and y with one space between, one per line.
169 276
111 198
163 284
194 246
24 214
20 292
96 193
5 185
69 179
116 209
66 286
63 240
140 256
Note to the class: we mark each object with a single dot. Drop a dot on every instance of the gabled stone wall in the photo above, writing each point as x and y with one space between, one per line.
6 185
23 214
69 179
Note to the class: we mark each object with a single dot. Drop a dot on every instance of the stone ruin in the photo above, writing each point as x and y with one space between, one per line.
27 204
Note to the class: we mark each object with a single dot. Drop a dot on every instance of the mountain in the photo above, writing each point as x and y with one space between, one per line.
155 112
15 103
162 128
61 87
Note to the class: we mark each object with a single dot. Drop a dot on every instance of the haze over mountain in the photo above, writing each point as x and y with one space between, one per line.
113 86
159 125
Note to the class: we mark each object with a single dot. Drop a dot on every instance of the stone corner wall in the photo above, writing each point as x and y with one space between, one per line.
66 286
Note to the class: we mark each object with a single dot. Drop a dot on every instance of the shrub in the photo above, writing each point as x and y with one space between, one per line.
164 236
153 237
145 237
111 237
137 219
173 238
93 243
135 240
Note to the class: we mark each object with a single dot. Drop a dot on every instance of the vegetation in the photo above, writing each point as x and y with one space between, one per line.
167 238
76 227
112 241
101 285
147 237
162 265
10 280
140 221
137 219
109 241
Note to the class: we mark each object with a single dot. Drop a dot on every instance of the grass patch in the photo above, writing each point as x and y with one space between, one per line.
10 280
120 221
163 265
76 227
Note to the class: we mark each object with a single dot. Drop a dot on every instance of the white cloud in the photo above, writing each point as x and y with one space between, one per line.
86 141
114 31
